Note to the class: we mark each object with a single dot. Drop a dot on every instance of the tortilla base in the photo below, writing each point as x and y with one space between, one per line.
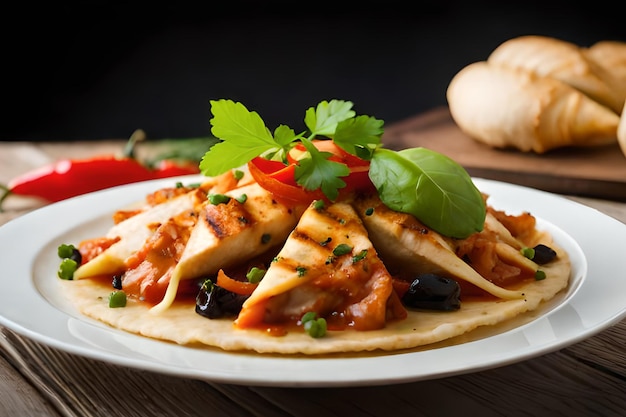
180 324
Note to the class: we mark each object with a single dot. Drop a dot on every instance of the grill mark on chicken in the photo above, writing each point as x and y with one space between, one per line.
308 276
404 241
307 239
228 233
227 222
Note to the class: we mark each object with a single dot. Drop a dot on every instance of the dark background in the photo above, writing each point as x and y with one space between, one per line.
102 70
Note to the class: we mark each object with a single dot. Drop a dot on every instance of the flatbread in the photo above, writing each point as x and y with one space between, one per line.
180 324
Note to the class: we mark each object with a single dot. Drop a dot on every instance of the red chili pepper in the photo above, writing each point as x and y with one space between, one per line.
168 168
71 177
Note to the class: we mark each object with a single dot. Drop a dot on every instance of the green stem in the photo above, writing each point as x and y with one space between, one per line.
6 192
137 136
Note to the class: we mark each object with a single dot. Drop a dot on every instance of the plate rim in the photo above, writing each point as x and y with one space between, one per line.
253 368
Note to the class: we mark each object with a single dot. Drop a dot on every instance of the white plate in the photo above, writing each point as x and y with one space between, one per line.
30 303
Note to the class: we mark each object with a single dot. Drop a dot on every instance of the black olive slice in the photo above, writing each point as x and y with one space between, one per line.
433 292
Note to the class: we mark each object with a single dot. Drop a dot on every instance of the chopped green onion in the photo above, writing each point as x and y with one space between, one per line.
67 268
369 211
65 250
301 271
238 174
207 285
242 198
117 299
309 315
360 256
342 249
528 252
216 199
314 326
540 275
318 204
255 275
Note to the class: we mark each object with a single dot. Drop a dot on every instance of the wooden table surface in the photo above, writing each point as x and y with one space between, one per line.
584 379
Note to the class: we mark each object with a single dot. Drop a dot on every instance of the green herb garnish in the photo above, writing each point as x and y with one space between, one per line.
418 181
430 186
117 299
319 204
255 275
65 250
244 137
216 199
361 255
313 325
238 174
67 268
528 252
342 249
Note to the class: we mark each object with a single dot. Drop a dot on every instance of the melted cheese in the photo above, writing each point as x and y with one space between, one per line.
403 240
227 233
133 232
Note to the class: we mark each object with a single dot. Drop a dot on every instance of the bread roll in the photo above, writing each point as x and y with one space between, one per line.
513 108
621 131
611 56
562 60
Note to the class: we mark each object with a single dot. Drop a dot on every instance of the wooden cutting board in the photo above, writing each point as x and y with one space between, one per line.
590 172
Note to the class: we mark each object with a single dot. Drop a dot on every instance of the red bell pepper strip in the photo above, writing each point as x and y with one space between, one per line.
71 177
280 180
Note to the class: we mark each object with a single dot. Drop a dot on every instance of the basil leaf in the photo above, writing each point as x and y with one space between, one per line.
430 186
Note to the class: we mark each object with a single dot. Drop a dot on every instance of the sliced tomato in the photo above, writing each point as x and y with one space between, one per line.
280 180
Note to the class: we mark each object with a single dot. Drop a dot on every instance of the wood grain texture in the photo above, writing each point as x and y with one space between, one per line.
560 383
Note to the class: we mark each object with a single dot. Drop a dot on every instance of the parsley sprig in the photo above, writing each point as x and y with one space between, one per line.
418 181
244 136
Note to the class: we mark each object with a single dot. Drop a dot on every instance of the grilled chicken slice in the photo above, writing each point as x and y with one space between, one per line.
231 232
148 270
412 248
328 266
138 225
496 251
133 232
